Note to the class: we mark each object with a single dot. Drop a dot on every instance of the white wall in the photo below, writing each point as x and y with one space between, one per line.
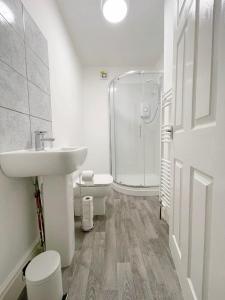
17 223
168 43
96 114
96 118
17 210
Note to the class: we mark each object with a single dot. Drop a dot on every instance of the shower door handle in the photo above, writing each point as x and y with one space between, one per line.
140 131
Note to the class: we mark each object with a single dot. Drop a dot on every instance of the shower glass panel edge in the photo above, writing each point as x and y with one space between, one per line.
132 163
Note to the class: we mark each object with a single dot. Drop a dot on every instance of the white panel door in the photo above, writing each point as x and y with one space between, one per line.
197 223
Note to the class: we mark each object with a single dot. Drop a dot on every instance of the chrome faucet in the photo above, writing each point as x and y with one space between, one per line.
40 140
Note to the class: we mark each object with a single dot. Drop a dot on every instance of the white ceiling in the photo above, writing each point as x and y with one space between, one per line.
137 41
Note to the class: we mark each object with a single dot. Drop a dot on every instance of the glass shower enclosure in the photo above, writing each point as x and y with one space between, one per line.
134 100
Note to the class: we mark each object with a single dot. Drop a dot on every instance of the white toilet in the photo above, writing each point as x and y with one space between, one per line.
99 189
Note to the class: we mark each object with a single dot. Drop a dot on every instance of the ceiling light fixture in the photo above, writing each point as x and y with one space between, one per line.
114 11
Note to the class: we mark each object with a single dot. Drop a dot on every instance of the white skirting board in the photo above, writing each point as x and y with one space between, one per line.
14 283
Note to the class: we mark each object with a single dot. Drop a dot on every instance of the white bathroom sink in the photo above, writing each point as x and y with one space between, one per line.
55 161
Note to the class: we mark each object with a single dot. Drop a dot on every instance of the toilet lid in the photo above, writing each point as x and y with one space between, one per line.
42 267
98 180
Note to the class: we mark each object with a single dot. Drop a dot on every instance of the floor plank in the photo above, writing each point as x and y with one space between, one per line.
140 276
110 275
125 282
95 279
78 287
122 240
110 295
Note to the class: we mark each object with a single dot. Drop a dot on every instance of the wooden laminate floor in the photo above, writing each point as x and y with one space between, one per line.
125 257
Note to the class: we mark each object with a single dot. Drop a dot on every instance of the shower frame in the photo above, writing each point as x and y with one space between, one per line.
137 187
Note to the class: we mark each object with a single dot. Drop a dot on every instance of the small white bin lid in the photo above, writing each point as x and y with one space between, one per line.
98 180
42 267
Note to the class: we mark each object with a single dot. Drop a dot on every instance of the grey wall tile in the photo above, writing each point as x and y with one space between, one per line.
14 130
12 48
12 11
13 89
37 72
40 103
39 124
35 39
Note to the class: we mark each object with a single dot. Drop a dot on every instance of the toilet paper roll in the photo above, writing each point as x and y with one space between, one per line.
87 213
87 175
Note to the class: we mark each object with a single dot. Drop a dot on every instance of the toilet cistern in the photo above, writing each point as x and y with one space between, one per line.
40 140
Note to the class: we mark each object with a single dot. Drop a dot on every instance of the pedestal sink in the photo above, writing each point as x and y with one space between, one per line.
55 167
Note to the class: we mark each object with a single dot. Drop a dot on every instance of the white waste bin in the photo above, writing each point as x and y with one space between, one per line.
44 277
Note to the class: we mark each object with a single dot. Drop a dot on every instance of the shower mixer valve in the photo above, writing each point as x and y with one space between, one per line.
145 110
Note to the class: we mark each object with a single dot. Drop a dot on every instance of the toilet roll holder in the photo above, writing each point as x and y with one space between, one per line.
87 223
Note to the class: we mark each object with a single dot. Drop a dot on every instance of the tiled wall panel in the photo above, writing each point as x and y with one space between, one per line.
37 72
13 89
40 102
12 51
14 130
35 39
25 104
12 11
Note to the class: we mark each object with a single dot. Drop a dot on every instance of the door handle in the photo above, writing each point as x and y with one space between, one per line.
169 129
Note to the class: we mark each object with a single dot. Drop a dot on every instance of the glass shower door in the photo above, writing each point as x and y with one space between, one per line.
135 129
128 132
151 128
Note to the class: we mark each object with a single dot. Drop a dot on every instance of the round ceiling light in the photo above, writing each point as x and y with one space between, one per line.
114 11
